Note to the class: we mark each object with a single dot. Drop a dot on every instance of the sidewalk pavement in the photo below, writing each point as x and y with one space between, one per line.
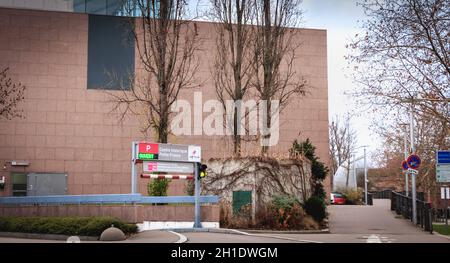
152 236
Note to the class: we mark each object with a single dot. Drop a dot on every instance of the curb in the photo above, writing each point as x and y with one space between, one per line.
322 231
248 231
211 230
45 236
438 234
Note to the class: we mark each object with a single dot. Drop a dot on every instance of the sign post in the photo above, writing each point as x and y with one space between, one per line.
413 162
168 158
405 171
197 223
445 194
133 168
443 176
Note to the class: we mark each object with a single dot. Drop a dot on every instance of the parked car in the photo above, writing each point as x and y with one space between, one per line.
337 199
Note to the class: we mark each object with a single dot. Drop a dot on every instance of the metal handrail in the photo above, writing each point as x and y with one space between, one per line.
103 199
402 205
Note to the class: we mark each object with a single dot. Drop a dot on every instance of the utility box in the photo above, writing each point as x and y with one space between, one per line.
46 184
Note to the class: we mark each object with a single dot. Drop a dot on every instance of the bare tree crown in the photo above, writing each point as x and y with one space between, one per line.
11 94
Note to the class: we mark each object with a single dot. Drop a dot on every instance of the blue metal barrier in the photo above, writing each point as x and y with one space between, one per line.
103 199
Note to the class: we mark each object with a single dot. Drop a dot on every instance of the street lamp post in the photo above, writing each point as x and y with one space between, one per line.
405 139
365 177
365 172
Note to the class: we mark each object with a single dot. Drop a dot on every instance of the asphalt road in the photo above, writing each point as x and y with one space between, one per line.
348 224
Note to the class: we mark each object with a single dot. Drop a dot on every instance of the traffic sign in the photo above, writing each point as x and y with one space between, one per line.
168 152
412 171
168 167
443 166
413 161
443 157
404 165
148 151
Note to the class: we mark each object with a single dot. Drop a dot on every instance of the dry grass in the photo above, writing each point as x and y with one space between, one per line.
268 217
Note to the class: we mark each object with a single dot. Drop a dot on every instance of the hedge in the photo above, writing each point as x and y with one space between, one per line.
71 226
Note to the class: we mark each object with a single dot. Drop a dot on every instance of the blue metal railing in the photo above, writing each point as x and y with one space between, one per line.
104 199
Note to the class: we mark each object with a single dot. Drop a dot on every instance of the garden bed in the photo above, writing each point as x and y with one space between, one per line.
70 226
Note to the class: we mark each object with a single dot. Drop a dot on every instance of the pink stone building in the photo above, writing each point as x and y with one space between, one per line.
68 128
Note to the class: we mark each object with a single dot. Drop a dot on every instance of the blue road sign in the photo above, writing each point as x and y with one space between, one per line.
405 165
443 157
443 166
413 161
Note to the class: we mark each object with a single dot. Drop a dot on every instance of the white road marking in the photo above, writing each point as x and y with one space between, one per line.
270 236
181 238
373 239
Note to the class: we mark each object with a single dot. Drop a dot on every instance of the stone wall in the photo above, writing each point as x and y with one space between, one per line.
127 213
265 177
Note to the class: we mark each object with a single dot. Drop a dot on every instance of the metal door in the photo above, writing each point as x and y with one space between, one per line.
46 184
240 199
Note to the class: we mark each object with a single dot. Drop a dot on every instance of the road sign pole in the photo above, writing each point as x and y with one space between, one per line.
413 176
446 205
365 176
133 168
197 221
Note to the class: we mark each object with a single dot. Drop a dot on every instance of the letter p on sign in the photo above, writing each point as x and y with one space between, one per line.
148 148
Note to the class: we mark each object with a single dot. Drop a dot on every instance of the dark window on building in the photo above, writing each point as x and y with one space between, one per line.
105 7
19 184
110 53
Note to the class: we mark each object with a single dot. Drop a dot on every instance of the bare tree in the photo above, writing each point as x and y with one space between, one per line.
404 54
232 70
342 143
430 134
275 47
403 58
10 95
167 46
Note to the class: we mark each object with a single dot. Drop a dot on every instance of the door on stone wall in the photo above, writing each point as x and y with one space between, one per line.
241 199
46 184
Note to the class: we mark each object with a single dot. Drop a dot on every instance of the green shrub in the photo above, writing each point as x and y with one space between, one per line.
269 217
158 187
315 207
83 226
319 170
190 187
284 201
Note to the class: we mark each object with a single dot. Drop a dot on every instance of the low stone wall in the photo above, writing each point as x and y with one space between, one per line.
127 213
